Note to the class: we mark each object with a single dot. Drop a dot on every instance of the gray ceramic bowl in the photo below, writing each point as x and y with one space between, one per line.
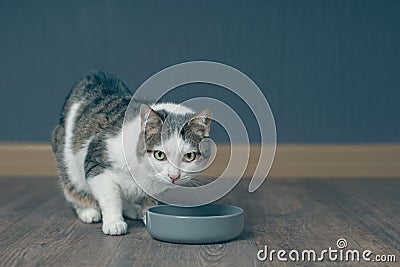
199 225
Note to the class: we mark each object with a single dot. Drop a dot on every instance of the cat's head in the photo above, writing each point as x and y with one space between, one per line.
172 141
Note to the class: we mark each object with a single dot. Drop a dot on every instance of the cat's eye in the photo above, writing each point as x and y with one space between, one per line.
159 155
190 156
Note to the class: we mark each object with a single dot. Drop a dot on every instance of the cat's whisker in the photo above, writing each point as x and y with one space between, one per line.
205 179
199 182
207 175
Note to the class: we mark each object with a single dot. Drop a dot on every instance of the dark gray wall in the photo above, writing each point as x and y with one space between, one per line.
330 69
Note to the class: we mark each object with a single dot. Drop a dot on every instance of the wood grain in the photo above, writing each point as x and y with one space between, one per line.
291 160
38 228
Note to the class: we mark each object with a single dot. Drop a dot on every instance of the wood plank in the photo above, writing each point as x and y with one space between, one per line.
284 214
292 160
372 209
51 235
308 214
19 197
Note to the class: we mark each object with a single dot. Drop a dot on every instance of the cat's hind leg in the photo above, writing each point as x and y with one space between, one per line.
81 201
84 205
89 215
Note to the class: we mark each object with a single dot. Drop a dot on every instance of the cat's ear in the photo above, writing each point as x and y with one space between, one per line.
149 119
202 119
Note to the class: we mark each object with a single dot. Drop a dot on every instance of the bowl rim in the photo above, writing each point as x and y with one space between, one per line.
239 212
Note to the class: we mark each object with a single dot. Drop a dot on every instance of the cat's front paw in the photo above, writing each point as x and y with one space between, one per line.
115 228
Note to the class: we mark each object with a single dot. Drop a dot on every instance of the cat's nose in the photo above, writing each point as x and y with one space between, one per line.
174 177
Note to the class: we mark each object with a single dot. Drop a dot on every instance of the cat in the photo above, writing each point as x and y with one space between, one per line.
87 143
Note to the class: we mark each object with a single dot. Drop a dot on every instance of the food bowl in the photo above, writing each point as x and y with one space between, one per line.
198 225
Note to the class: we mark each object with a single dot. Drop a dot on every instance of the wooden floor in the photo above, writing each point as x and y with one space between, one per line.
37 227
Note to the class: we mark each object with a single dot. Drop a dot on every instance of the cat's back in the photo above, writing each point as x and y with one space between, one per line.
95 106
96 87
99 84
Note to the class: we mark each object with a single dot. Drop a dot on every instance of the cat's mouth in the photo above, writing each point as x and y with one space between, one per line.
182 181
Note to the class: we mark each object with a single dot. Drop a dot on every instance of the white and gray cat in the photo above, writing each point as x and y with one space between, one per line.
91 165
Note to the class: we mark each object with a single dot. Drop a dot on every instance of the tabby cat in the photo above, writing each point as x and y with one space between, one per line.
91 164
